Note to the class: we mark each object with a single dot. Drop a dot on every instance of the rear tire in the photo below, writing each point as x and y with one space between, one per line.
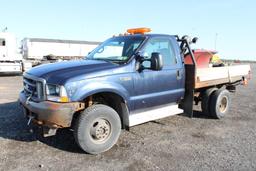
219 103
97 129
205 103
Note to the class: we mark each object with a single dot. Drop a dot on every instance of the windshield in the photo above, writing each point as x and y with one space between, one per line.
117 49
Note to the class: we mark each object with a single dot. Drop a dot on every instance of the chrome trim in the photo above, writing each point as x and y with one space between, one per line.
36 79
27 82
27 89
39 87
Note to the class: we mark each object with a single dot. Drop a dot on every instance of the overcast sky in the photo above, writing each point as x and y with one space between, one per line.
228 24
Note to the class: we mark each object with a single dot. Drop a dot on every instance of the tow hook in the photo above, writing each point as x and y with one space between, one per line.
30 117
47 132
28 99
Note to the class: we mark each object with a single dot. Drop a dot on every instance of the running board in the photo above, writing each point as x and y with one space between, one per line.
142 117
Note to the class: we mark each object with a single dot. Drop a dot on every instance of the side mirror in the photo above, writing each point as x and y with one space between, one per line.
156 61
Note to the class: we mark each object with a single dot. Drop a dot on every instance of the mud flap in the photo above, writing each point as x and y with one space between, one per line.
188 101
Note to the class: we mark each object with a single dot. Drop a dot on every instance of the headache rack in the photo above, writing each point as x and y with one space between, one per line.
34 87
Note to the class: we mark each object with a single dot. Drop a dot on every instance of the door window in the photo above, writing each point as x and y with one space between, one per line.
162 46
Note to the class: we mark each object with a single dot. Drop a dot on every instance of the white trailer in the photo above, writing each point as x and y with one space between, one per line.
36 51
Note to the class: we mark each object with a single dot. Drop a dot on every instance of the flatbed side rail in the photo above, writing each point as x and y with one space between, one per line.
207 77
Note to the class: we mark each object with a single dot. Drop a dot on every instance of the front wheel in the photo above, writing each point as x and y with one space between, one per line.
97 129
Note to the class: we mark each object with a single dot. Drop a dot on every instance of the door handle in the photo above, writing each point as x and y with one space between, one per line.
178 74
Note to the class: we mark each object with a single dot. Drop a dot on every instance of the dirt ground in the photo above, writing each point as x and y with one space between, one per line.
173 143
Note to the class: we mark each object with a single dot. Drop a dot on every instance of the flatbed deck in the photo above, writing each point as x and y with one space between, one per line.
206 77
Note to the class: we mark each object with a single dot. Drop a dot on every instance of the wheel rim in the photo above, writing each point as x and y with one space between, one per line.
223 104
100 130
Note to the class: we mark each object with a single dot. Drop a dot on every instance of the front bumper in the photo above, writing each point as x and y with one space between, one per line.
50 114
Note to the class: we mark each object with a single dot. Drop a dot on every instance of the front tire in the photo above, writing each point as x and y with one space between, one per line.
97 129
219 103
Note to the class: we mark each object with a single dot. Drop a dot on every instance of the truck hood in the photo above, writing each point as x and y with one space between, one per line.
59 73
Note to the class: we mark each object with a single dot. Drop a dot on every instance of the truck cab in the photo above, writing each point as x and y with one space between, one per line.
10 59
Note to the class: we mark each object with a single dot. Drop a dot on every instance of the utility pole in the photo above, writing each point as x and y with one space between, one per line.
215 41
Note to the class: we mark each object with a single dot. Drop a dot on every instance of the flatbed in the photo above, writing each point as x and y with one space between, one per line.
213 76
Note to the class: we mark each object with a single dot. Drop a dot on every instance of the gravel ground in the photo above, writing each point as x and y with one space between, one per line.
173 143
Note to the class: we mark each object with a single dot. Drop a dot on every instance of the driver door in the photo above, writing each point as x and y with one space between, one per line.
155 88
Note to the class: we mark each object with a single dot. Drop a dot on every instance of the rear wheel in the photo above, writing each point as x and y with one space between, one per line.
219 103
206 100
97 129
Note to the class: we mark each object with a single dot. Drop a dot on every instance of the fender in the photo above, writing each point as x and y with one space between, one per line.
95 86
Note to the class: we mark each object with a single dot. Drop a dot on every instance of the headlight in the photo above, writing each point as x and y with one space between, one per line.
52 90
56 93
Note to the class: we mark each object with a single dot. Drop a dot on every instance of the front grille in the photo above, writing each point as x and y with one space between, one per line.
34 87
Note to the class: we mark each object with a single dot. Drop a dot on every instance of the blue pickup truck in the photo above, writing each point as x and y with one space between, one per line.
127 80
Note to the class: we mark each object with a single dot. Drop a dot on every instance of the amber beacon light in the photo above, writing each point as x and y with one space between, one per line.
139 30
